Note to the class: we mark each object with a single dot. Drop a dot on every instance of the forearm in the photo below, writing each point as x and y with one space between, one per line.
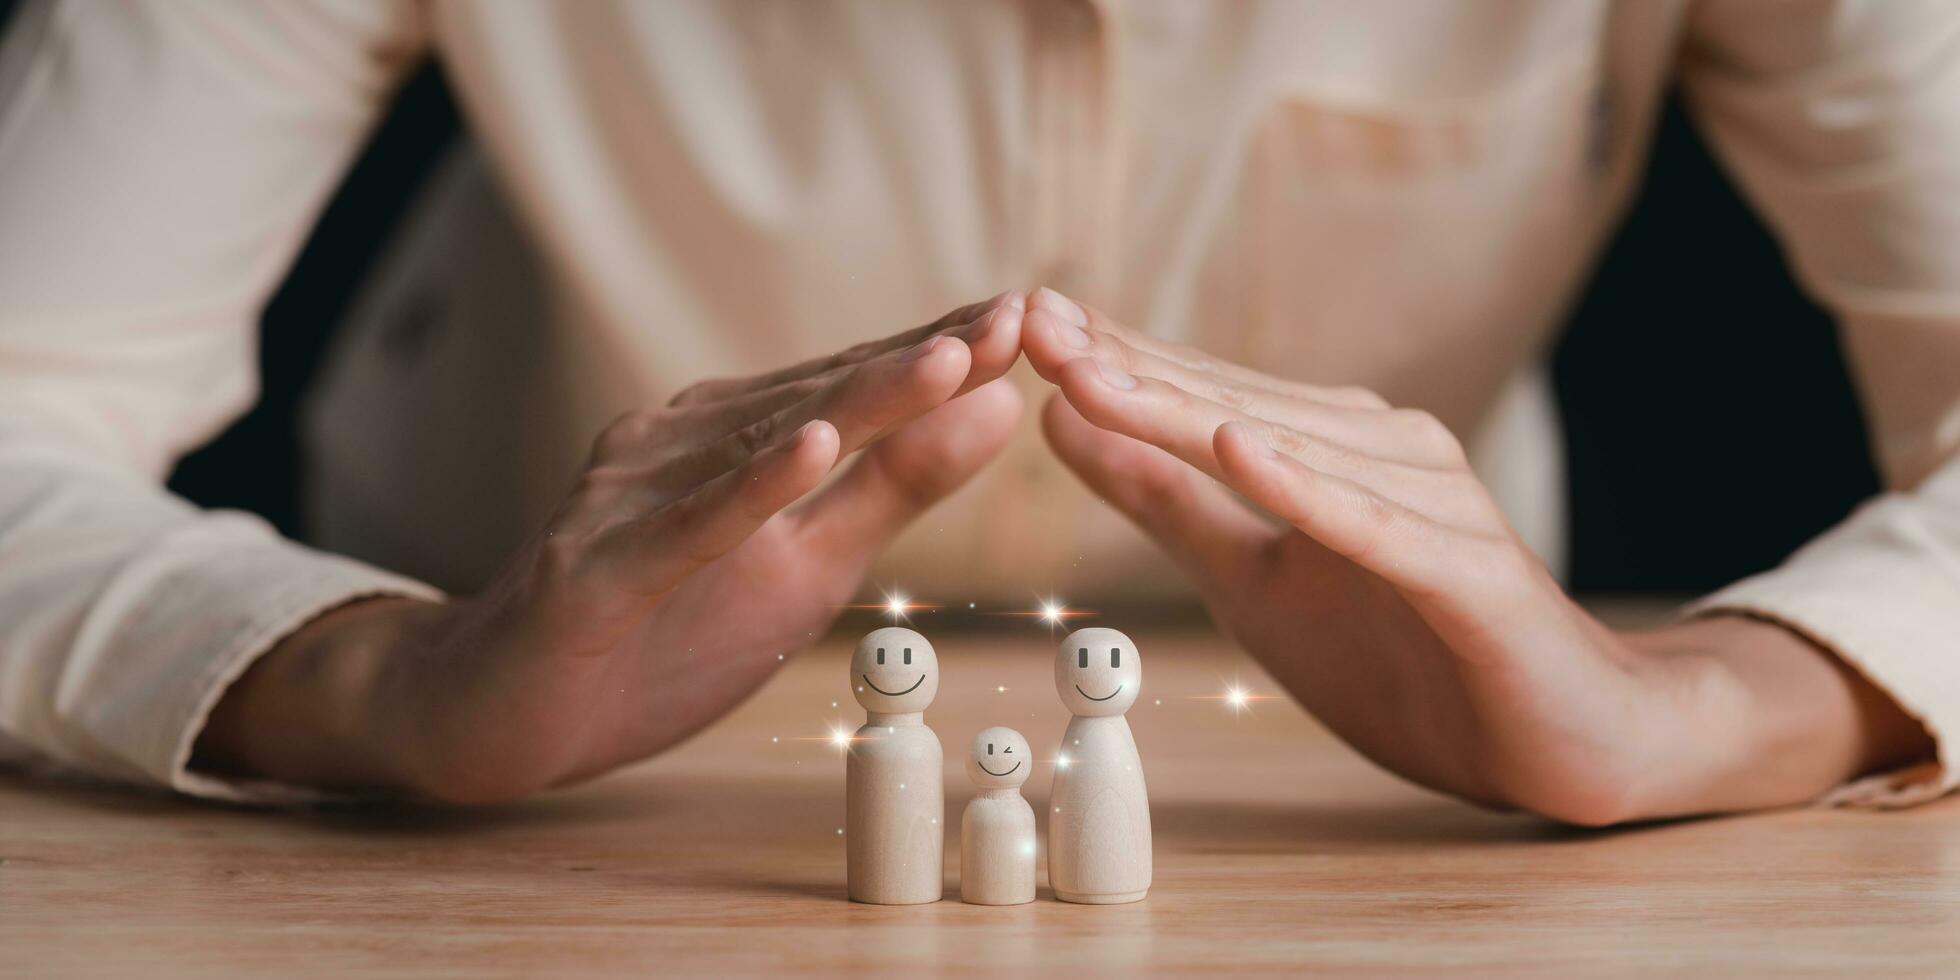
1765 717
307 712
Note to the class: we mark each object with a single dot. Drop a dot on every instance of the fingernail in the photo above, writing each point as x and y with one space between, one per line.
978 330
1115 377
918 350
1072 335
1006 297
1017 300
1061 306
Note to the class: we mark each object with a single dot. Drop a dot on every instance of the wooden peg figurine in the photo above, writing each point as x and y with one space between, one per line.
894 801
997 831
1099 811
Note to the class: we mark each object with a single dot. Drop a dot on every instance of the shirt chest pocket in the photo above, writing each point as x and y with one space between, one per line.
1380 242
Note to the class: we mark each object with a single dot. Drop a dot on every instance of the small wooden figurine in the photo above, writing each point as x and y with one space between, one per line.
997 837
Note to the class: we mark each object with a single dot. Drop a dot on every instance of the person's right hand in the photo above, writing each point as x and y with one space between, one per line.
669 584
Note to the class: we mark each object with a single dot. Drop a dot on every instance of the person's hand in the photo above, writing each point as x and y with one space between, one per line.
1397 604
669 584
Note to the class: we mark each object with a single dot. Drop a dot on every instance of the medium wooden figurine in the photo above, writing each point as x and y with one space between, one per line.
894 801
1099 811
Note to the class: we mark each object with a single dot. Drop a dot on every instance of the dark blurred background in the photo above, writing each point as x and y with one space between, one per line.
1709 423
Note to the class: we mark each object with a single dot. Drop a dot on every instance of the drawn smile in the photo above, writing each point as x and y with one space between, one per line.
1079 690
990 772
914 687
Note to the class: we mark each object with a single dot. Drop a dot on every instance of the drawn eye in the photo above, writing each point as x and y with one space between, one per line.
908 655
1116 656
1082 657
881 656
1006 751
990 748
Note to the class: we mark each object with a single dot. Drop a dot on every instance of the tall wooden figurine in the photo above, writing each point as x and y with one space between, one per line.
894 800
997 830
1099 811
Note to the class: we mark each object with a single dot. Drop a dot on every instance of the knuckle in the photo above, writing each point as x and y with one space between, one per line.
598 485
560 557
1360 395
699 391
1236 397
625 432
1428 432
1287 439
1198 361
757 436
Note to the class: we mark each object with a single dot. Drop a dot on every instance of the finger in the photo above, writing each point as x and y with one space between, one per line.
651 554
851 521
1402 435
1182 424
989 325
1195 521
1059 330
993 342
890 390
1417 555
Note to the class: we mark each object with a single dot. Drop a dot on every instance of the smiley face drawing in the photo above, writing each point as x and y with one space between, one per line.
1097 672
894 671
999 760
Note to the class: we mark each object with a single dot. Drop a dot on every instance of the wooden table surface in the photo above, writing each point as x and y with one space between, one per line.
1276 849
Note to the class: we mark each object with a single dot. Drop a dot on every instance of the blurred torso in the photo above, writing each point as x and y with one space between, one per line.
1396 195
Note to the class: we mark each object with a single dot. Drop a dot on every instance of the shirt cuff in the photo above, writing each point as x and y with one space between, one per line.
240 618
1876 593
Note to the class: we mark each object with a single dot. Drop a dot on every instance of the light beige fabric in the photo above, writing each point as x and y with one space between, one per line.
1402 195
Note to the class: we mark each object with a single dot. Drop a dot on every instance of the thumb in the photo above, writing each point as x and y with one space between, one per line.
906 472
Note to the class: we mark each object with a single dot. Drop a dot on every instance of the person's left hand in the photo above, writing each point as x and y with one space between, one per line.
1399 607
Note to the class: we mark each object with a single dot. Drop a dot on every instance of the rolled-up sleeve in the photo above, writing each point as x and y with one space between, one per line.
1841 121
160 164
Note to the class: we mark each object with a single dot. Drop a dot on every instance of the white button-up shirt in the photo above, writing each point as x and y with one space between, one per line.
1401 195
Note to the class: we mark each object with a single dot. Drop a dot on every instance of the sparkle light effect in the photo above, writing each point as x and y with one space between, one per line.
1048 611
896 605
1236 697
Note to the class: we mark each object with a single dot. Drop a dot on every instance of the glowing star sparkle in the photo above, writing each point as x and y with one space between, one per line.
1237 698
1052 611
896 605
840 738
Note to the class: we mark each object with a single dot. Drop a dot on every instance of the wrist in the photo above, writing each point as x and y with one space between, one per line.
311 710
1754 714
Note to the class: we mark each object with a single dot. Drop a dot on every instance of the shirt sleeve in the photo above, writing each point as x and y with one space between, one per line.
160 164
1841 122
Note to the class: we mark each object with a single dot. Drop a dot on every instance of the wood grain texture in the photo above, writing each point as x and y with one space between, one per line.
1276 849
